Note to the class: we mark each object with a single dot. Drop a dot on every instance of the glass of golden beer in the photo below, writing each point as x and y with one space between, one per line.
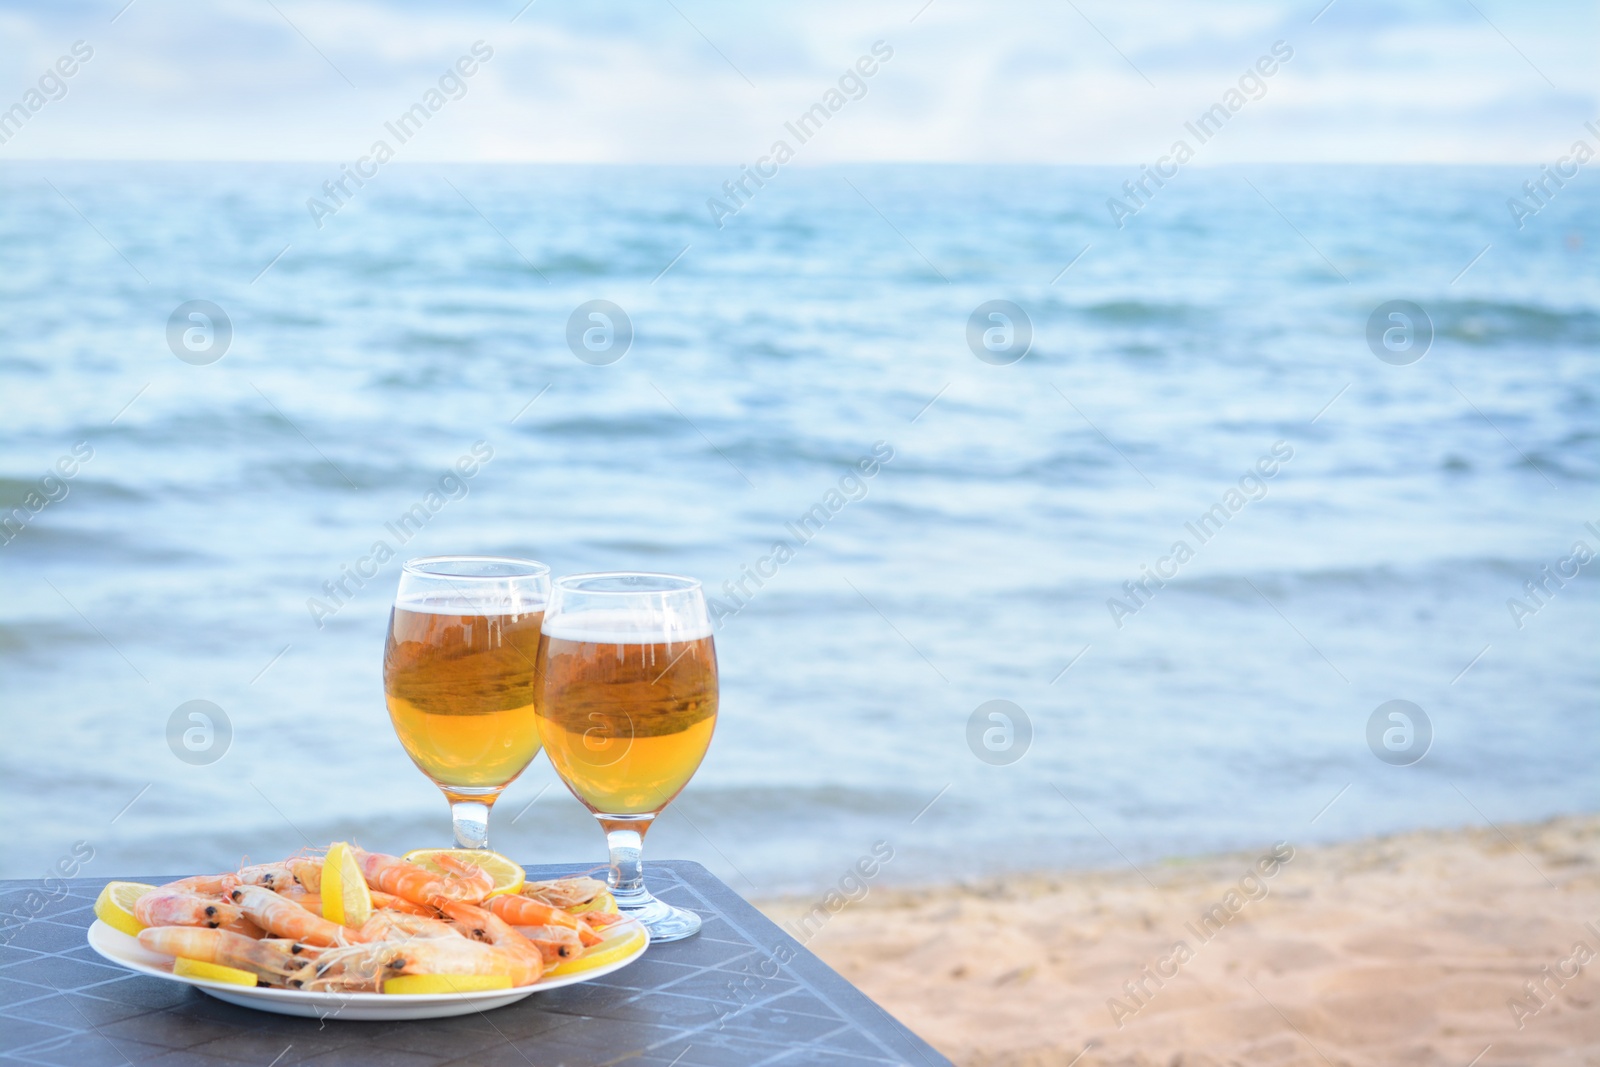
627 704
459 675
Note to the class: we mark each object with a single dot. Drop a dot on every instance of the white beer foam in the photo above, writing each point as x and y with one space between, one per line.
622 626
454 604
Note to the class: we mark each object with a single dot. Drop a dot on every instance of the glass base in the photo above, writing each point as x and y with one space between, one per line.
625 841
665 922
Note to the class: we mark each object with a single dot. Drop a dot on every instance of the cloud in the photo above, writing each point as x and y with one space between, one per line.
697 81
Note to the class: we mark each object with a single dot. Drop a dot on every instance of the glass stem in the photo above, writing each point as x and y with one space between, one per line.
625 840
470 820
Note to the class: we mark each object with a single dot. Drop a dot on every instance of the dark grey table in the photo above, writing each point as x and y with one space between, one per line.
742 993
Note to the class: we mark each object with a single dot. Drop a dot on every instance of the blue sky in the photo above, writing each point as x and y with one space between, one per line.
705 81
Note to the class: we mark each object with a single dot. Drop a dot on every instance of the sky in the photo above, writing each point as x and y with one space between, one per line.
714 81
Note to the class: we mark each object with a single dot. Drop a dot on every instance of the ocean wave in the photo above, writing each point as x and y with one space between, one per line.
1140 313
425 341
15 491
578 265
59 540
1489 324
1455 574
21 638
633 426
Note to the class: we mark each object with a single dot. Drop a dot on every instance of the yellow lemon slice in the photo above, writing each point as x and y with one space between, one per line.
508 874
115 906
612 949
446 983
604 902
345 897
211 972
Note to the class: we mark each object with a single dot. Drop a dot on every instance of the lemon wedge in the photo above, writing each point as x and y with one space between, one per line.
508 874
631 939
345 897
211 972
114 907
605 902
415 984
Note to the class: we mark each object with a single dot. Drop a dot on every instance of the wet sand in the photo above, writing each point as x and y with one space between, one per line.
1428 948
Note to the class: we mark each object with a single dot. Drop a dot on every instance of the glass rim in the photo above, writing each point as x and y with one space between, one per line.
422 567
667 583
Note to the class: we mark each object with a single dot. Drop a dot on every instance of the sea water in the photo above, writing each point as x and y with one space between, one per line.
232 528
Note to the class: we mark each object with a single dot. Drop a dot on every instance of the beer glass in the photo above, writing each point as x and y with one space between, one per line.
627 704
459 674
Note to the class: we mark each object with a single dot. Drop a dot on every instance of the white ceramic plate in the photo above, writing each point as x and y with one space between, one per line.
118 947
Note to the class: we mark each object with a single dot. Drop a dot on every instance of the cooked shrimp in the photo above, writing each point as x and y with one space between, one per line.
520 911
555 943
244 926
307 871
281 916
309 901
599 920
277 876
397 926
390 902
206 885
297 948
461 956
353 969
481 925
365 966
472 877
297 873
272 961
467 881
564 892
162 907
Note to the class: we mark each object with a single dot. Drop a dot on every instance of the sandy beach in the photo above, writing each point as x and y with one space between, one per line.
1470 946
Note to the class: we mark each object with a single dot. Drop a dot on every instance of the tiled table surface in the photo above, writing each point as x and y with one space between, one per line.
741 994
